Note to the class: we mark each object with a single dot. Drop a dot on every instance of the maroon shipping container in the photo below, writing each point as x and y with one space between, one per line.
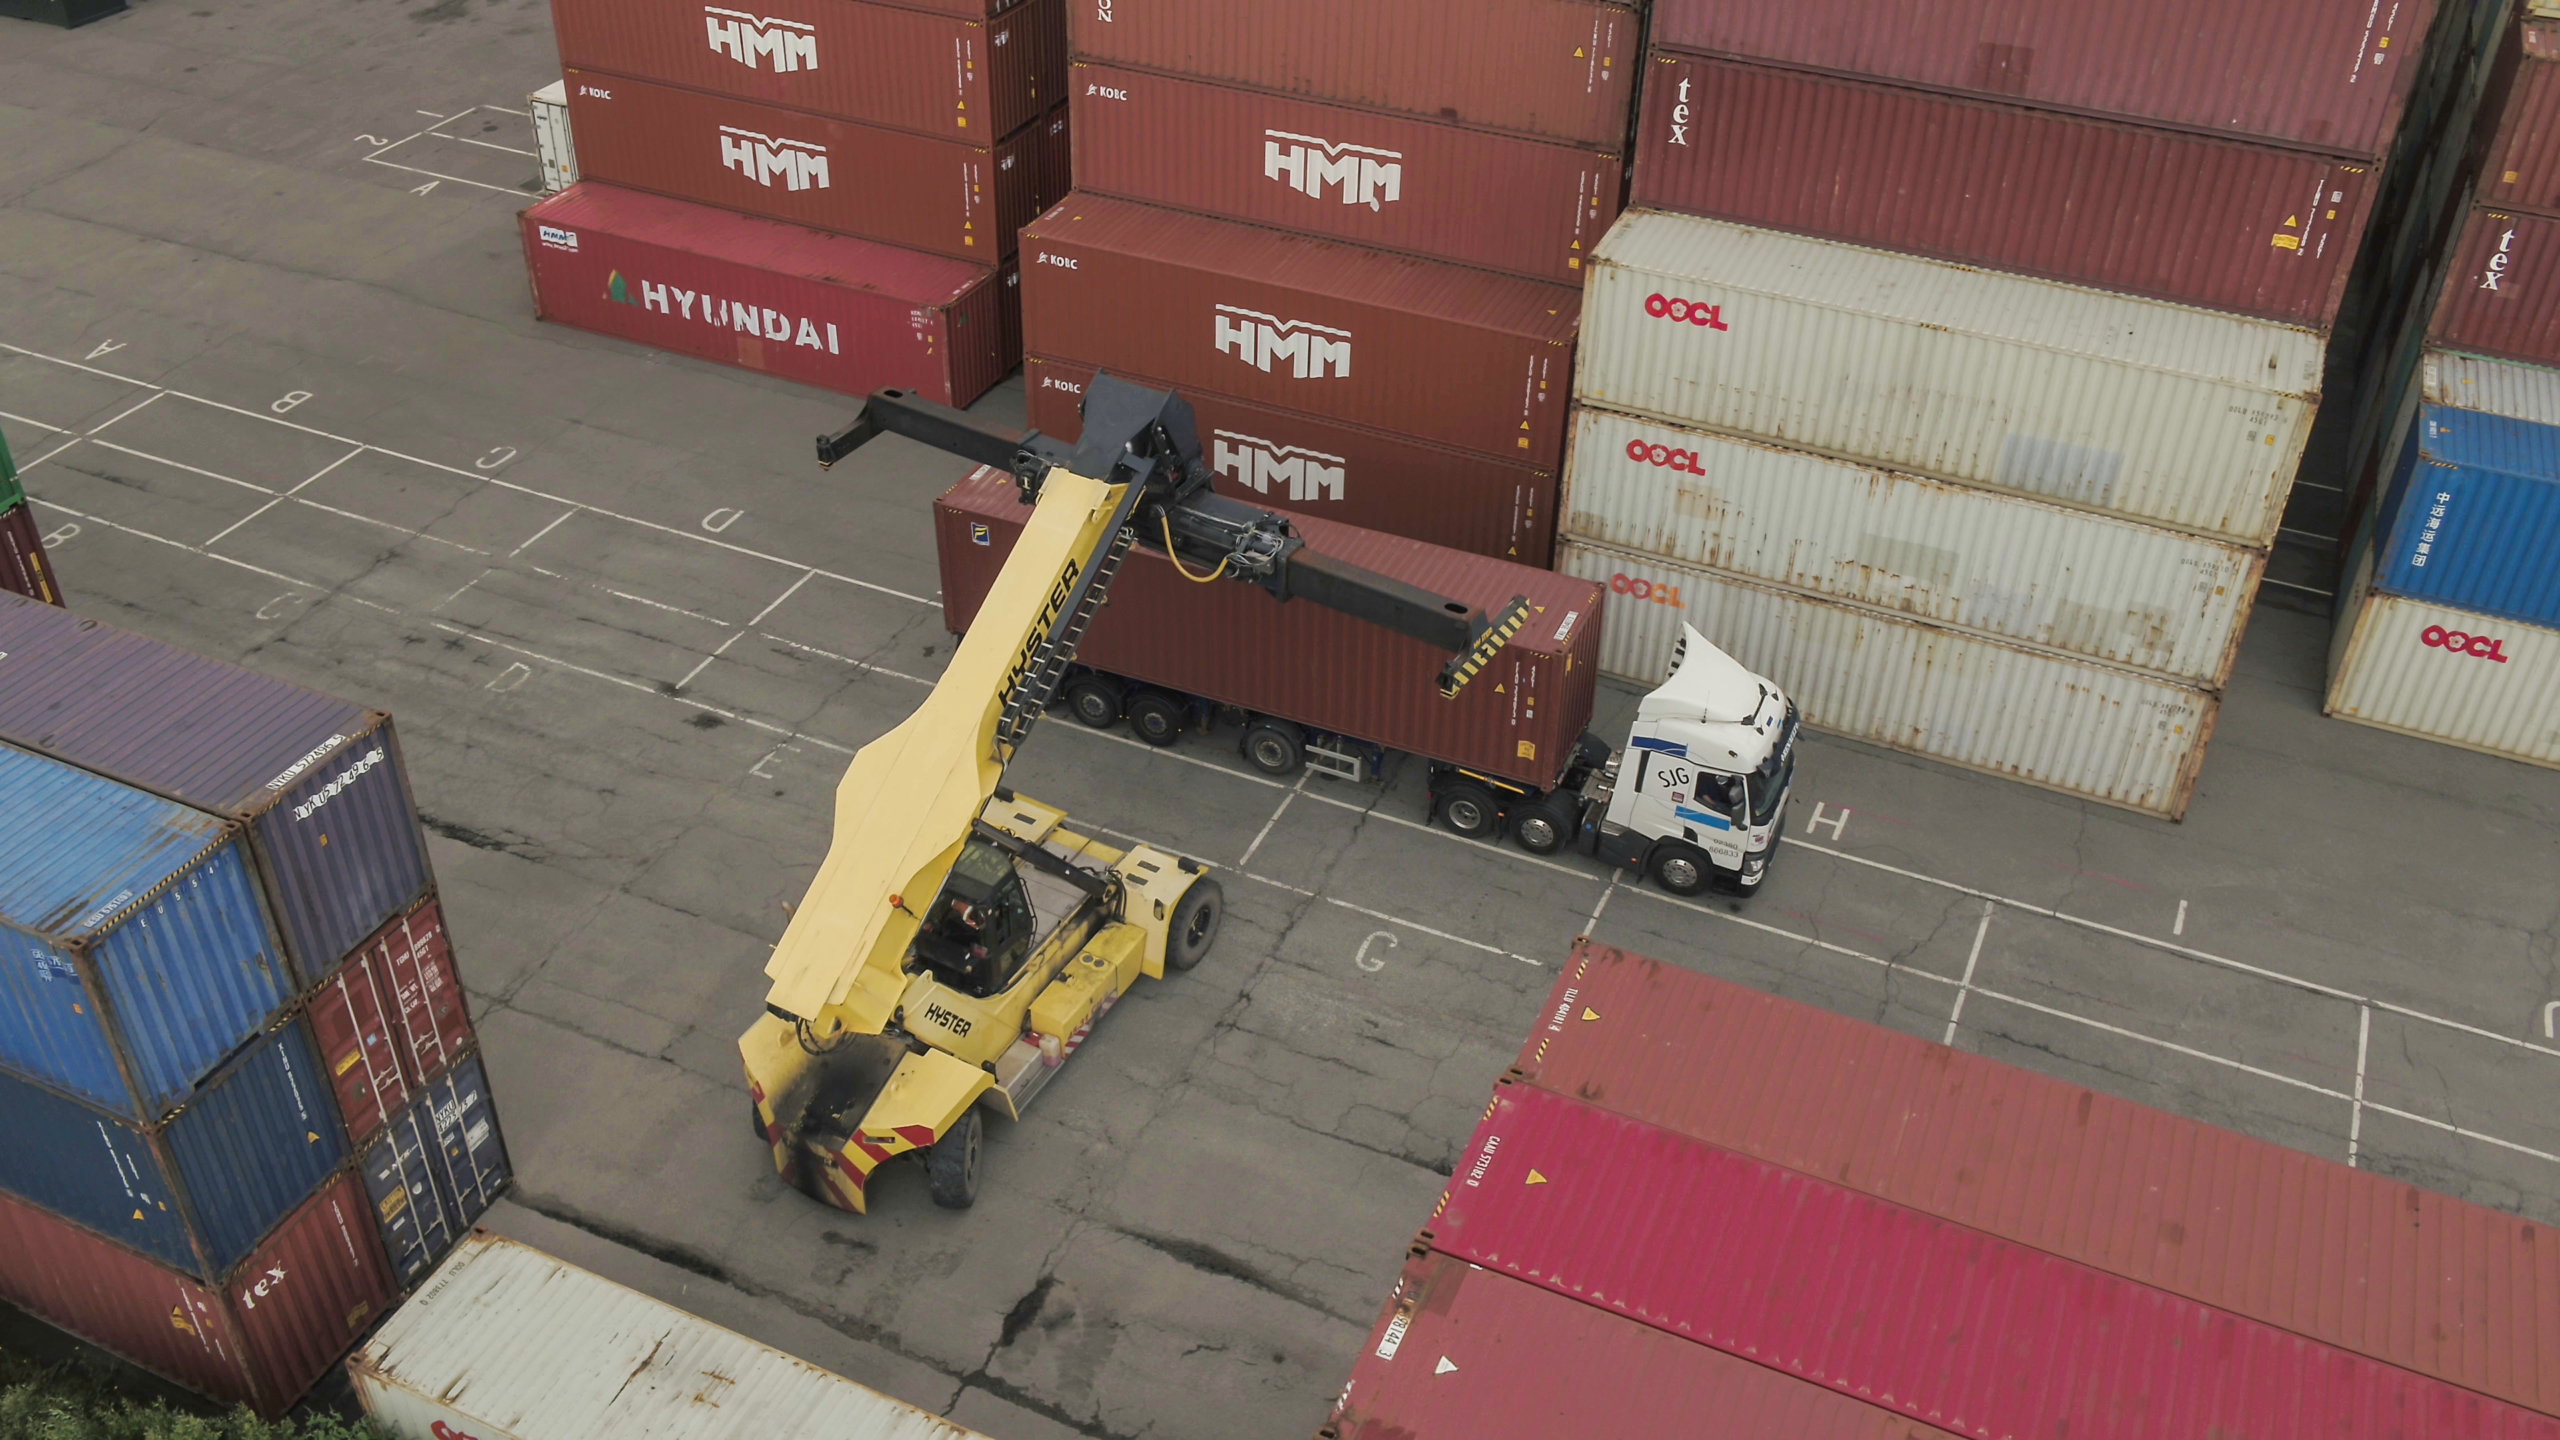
2502 291
1057 159
260 1339
2522 170
944 75
1416 347
1563 69
964 199
432 1019
827 310
24 567
354 1025
1009 313
2332 77
1528 1361
1340 472
1051 27
1943 1323
1529 207
1234 644
2227 226
2155 1198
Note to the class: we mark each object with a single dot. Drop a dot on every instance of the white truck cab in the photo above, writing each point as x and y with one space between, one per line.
1699 792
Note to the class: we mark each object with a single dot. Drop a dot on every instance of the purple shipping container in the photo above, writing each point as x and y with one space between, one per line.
317 783
436 1167
2501 294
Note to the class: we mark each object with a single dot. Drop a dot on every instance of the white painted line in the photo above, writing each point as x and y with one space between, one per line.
628 684
1478 846
545 530
1592 924
74 365
2551 1021
848 660
2305 589
662 605
325 469
456 179
180 465
2364 1044
2181 927
49 454
23 420
1265 832
1172 752
458 592
119 415
1422 929
804 579
692 674
1765 928
2465 1134
183 545
2169 1045
387 525
1964 987
486 144
243 520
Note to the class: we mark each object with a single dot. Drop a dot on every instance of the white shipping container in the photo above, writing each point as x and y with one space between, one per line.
507 1343
2444 674
1980 560
2499 387
554 151
2070 725
2174 415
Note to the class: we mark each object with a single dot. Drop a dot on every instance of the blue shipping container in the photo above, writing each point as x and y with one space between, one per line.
435 1168
137 953
2472 515
318 782
199 1192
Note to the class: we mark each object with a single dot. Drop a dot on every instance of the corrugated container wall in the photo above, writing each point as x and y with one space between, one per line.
1537 1363
24 567
1973 559
2047 719
354 1022
2522 168
1561 69
2501 293
2492 387
2171 415
2153 1197
1390 182
318 782
141 954
260 1339
436 1168
432 1023
2444 674
1234 644
1996 1337
1057 159
828 310
2116 207
2472 516
509 1341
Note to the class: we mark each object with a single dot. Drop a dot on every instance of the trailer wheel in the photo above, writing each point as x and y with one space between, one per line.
1096 700
1156 718
1681 869
951 1163
1195 924
1543 827
1274 748
1468 809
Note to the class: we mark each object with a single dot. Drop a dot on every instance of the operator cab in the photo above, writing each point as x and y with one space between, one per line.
990 918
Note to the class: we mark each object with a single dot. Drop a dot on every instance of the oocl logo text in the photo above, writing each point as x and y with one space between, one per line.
1665 458
749 40
1309 163
1639 589
1260 464
2464 643
798 164
1312 350
1696 312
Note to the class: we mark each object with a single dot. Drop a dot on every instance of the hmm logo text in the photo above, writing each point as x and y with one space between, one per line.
799 164
1312 350
2460 643
1307 164
790 45
1259 464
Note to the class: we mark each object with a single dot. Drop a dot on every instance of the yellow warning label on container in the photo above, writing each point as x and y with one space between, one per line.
1590 1014
2287 242
1537 1179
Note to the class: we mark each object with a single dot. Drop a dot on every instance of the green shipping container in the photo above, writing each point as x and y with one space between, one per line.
10 494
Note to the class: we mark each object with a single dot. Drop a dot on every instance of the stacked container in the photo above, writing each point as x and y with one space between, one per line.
24 570
230 988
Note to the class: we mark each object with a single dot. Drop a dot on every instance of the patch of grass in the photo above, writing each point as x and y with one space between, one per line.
62 1402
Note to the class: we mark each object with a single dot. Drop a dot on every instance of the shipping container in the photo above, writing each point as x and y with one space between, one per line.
1057 159
964 199
2492 387
24 567
470 1159
2501 293
1973 559
1357 476
2172 415
431 1019
199 1190
260 1339
2119 207
555 146
2331 78
354 1024
828 310
140 955
1530 207
2048 719
508 1341
435 1169
1559 69
958 77
317 782
2443 674
1535 1363
1455 356
2155 1198
1235 645
2521 170
2471 518
1944 1323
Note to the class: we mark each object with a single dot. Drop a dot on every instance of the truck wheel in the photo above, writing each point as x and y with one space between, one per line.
1468 809
951 1163
1156 718
1681 869
1274 748
1544 827
1096 701
1195 924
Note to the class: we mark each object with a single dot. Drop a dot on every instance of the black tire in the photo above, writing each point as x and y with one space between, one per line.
1545 826
1158 719
1467 808
951 1163
1195 924
1682 869
1096 700
1273 748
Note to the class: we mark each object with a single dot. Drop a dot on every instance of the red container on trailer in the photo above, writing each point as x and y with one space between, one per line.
1234 644
2502 291
947 75
1528 207
827 310
24 567
1368 478
1944 1323
431 1018
1562 69
260 1339
355 1027
2213 223
964 199
1415 347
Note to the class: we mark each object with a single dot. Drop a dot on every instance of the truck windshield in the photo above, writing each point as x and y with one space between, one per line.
1769 782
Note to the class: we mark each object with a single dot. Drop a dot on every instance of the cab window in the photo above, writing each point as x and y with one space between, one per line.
978 932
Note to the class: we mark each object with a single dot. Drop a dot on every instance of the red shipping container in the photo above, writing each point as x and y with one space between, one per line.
1009 313
1340 472
1051 27
2502 291
2152 212
1531 1362
965 78
2521 168
1232 643
1562 69
2331 77
2158 1199
1057 159
1945 1324
826 310
964 199
24 567
260 1339
354 1025
432 1018
1529 207
1415 347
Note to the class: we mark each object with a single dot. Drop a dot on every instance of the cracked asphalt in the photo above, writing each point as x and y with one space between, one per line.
527 543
